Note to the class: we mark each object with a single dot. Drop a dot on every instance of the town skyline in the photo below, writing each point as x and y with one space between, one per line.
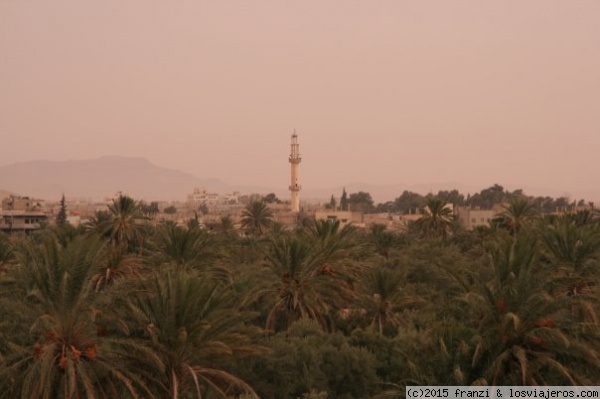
102 177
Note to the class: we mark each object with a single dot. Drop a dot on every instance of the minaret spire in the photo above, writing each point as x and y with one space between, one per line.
295 162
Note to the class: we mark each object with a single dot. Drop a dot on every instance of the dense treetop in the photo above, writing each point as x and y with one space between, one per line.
127 307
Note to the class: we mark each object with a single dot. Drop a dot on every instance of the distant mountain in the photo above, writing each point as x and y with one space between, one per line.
98 178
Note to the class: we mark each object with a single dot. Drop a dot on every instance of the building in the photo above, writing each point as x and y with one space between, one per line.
16 203
202 196
295 164
470 218
344 217
21 215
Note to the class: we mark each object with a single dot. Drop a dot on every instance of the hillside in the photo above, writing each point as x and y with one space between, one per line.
101 177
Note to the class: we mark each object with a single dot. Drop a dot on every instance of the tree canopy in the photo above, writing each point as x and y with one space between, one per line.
133 308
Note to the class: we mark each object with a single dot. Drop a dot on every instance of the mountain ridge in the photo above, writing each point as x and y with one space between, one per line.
101 177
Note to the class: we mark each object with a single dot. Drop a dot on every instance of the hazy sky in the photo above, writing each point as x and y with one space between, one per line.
476 92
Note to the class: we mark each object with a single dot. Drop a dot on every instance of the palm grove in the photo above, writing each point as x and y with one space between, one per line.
124 307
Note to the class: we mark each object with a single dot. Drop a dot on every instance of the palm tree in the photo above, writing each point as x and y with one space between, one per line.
226 225
194 223
382 239
98 224
301 283
250 250
277 228
517 214
573 252
183 247
56 350
125 223
192 325
330 238
583 217
257 217
381 296
6 252
522 337
437 219
116 265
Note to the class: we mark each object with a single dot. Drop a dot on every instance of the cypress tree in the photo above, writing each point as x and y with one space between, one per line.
61 218
344 201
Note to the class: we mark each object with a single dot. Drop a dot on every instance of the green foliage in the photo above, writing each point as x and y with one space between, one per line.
271 198
134 309
382 239
381 297
361 202
436 221
305 360
452 197
256 218
183 248
315 395
194 223
54 349
61 217
517 214
149 210
344 201
489 197
332 203
6 251
192 325
408 202
522 336
170 210
300 283
121 224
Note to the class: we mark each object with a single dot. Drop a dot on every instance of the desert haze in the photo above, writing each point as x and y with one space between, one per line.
411 93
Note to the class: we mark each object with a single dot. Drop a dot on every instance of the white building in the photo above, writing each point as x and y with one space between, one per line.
202 196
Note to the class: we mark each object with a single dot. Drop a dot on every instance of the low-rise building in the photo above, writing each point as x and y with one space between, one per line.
470 218
16 203
21 215
345 217
202 196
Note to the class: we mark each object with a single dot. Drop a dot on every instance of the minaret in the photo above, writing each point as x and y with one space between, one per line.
295 162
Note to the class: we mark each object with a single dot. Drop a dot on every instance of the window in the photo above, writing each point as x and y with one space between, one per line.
474 221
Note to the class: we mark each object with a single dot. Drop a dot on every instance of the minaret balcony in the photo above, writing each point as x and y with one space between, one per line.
295 187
